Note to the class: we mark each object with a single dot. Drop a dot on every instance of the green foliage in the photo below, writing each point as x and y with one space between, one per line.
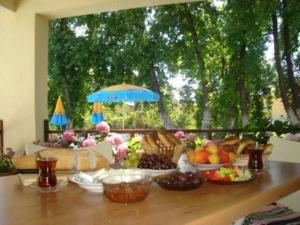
134 145
5 164
91 52
283 127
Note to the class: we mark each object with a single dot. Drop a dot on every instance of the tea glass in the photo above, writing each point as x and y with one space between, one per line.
256 164
47 174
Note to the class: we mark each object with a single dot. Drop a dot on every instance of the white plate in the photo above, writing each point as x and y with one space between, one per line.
96 186
209 166
155 173
95 189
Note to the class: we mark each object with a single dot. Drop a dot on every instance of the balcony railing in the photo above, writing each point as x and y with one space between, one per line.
85 132
1 136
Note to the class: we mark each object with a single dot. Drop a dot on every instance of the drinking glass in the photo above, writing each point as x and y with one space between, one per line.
255 159
47 174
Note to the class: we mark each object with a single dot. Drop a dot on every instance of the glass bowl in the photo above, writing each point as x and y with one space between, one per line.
126 188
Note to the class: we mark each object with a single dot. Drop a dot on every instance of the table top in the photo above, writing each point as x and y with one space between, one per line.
209 204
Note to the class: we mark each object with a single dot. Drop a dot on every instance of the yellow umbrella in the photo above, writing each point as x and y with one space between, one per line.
59 117
97 115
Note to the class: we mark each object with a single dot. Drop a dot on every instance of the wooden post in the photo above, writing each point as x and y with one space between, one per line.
46 130
209 135
1 136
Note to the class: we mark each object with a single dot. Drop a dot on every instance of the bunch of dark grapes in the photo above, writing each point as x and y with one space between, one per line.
155 162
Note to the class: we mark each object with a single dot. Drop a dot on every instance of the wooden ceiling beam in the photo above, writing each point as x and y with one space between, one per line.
8 4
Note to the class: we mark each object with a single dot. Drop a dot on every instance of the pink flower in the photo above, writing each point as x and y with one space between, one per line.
53 137
179 134
122 151
88 142
109 139
103 127
208 142
68 136
117 140
191 137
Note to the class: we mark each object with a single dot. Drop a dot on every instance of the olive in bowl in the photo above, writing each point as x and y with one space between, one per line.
126 188
179 181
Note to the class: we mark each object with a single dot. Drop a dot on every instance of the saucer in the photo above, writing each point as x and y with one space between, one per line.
60 185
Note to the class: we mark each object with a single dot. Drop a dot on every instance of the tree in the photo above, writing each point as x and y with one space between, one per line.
287 49
290 104
67 69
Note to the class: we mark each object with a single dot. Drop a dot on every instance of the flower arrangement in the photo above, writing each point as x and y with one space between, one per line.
190 140
5 163
68 139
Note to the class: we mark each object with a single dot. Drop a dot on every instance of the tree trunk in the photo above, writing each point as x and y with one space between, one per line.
287 53
231 105
242 88
243 102
161 109
283 92
206 109
206 119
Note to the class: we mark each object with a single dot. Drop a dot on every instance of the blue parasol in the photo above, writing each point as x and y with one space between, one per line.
97 115
122 93
59 117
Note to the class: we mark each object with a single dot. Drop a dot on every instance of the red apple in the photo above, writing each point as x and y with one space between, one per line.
224 156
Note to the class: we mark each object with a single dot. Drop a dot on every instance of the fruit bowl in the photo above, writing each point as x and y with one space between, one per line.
179 181
203 167
155 173
126 188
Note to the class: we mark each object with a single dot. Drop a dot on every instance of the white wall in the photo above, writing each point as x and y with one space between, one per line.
19 77
287 151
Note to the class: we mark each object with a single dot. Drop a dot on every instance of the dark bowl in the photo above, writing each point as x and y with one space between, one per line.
164 182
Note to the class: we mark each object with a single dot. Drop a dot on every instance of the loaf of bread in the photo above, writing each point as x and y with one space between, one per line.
173 139
230 148
163 143
67 159
268 148
152 141
162 136
243 145
82 160
232 140
25 162
146 145
177 153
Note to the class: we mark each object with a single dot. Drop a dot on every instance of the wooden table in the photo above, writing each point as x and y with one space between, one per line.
210 204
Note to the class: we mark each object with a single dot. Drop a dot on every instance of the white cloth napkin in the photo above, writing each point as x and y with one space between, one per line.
184 166
28 179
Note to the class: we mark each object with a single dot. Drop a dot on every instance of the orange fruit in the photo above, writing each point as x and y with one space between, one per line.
199 148
191 156
201 157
